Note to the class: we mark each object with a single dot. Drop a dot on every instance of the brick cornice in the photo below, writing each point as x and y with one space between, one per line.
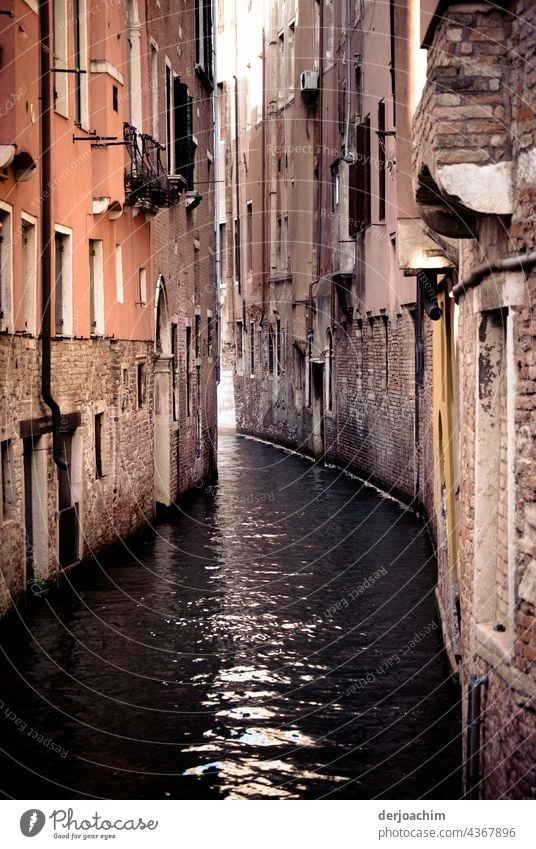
442 10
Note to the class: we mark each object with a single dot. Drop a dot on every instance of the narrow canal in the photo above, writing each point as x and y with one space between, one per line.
277 638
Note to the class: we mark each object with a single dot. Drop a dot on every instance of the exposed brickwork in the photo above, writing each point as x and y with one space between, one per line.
481 60
133 438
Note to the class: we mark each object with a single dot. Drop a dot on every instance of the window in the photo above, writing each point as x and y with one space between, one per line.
381 160
183 156
96 287
281 82
115 98
8 496
141 384
170 128
125 388
197 336
142 279
343 117
6 270
299 370
203 39
494 472
291 61
223 252
385 321
119 289
210 340
281 246
249 247
335 187
29 273
197 272
329 376
60 80
359 87
188 371
252 348
154 90
279 346
359 188
133 46
237 276
239 345
63 283
271 349
99 417
198 411
174 370
81 105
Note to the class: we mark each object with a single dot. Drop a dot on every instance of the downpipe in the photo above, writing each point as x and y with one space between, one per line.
472 777
46 232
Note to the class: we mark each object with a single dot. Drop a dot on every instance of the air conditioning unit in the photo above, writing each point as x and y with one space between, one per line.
309 81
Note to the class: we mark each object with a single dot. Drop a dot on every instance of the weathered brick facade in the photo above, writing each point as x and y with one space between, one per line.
474 155
131 369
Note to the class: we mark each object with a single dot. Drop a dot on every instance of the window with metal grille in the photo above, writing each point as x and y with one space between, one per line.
252 348
8 495
99 420
271 347
188 352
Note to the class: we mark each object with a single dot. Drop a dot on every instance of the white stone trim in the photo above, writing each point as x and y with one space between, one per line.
102 66
483 188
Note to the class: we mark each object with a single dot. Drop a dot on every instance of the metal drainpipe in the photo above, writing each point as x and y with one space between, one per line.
238 247
473 737
46 231
217 190
318 140
319 136
521 262
265 192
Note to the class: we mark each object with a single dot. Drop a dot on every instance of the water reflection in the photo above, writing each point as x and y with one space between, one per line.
276 639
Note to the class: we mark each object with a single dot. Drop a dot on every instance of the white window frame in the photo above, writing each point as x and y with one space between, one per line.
60 56
119 282
29 272
155 83
142 282
133 37
290 73
170 118
67 279
96 288
6 297
84 82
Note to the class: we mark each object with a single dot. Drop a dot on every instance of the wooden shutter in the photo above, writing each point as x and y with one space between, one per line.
359 200
184 147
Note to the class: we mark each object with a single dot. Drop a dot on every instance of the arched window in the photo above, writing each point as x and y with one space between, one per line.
162 323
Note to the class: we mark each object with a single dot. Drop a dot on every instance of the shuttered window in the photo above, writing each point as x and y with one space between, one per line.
184 145
359 201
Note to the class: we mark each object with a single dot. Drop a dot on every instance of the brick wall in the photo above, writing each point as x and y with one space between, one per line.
478 108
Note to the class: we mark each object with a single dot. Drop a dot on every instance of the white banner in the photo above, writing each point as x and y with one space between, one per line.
254 825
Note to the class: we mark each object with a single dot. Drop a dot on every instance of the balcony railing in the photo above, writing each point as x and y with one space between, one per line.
146 179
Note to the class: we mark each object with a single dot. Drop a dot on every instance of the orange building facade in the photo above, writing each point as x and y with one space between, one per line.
108 377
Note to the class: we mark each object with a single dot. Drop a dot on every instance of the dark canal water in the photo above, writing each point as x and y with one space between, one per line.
276 639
